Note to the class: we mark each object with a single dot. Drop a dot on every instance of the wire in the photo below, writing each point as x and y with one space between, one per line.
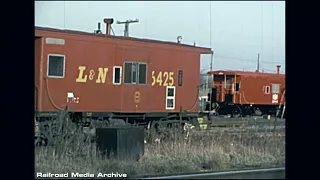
210 24
112 31
145 17
64 17
211 62
268 70
261 58
196 101
272 33
51 101
244 59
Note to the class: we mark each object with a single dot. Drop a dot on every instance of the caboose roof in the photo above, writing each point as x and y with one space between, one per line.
203 50
243 73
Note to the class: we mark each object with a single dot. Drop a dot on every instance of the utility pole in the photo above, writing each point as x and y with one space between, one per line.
258 63
126 25
211 63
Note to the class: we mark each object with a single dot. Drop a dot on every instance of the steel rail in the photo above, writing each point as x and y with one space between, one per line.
213 174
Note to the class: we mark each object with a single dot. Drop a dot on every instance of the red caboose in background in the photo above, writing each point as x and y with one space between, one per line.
99 75
246 93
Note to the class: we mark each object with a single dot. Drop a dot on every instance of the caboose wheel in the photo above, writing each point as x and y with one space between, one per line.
116 122
257 112
159 126
195 123
212 114
236 113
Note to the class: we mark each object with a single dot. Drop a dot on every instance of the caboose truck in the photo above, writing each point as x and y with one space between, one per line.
241 93
98 76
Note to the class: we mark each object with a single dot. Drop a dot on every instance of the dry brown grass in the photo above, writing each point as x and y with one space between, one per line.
221 150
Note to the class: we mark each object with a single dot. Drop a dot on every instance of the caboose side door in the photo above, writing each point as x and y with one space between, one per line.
236 93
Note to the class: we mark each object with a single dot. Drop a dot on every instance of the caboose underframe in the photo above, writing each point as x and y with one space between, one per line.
141 118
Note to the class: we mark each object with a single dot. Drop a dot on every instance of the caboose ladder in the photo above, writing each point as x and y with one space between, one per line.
278 111
282 100
284 104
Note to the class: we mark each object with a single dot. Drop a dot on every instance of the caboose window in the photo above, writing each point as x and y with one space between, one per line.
142 74
130 73
135 73
236 87
117 75
180 78
267 89
228 83
127 72
56 65
170 97
275 88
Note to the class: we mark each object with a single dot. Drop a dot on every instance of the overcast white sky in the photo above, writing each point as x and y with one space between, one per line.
239 30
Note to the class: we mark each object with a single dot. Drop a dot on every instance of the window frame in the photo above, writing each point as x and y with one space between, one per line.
234 86
272 88
124 72
138 78
137 73
228 82
171 97
64 65
180 77
265 89
114 75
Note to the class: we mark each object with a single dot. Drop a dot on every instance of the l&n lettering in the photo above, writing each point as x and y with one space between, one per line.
83 76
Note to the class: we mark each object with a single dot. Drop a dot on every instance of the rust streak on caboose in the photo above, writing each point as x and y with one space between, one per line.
124 77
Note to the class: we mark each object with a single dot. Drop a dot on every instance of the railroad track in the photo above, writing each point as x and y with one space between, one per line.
226 122
271 173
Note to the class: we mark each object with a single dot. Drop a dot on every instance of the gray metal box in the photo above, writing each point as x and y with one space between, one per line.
123 142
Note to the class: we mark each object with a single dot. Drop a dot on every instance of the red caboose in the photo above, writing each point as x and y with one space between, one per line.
99 75
243 92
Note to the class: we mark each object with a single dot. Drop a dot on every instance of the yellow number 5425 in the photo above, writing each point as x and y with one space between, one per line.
162 78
